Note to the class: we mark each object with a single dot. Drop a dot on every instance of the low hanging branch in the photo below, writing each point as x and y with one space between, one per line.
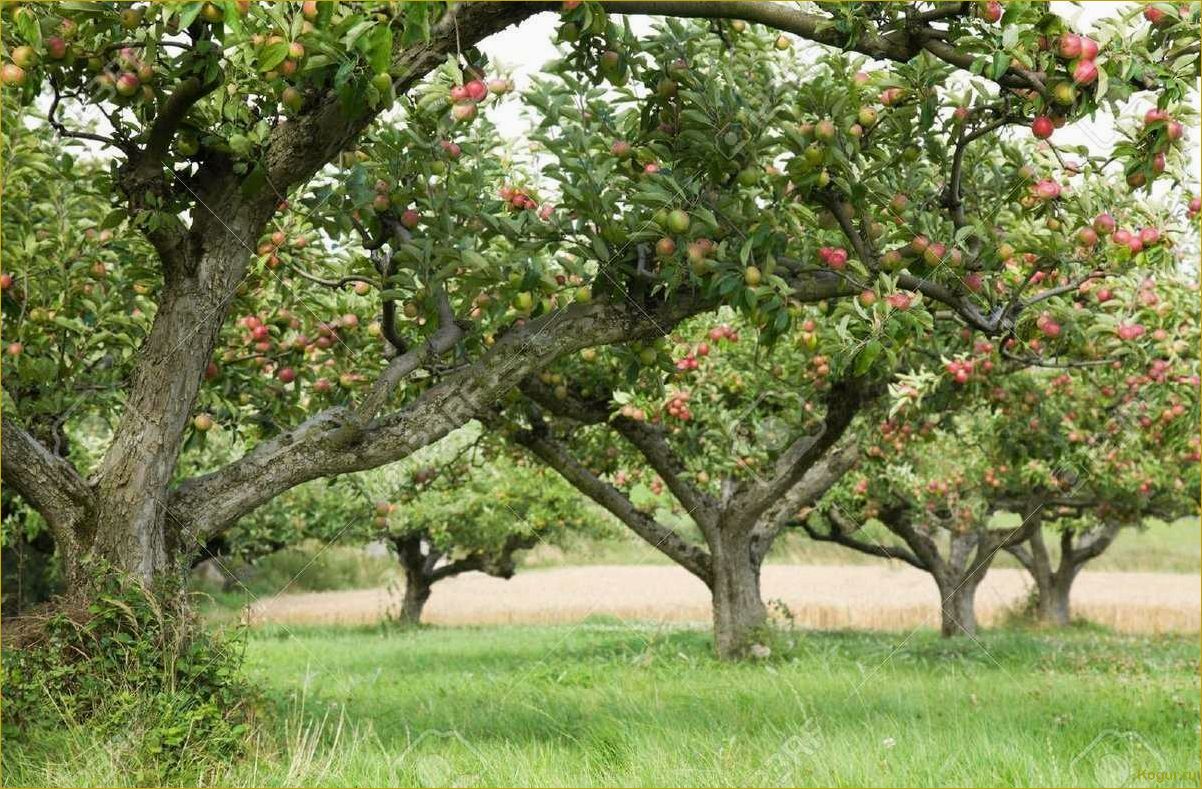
542 444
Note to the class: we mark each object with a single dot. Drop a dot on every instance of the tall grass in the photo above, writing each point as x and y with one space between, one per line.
617 703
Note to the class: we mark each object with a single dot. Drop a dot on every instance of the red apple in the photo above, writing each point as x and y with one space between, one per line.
128 84
1155 15
1047 190
1085 72
12 75
1104 223
1069 46
56 48
1042 127
476 90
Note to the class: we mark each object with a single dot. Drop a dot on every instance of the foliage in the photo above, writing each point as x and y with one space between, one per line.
124 668
897 193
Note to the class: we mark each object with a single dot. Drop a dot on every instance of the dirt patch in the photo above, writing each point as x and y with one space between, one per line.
884 597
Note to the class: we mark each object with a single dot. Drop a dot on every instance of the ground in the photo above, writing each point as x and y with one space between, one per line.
616 694
622 704
882 596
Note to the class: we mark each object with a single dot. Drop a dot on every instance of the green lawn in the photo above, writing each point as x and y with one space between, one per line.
614 704
608 703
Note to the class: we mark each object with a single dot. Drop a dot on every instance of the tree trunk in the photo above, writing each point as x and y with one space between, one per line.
1052 605
417 592
135 531
417 562
739 613
957 597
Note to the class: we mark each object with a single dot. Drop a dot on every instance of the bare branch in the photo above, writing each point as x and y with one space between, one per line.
664 539
842 536
444 339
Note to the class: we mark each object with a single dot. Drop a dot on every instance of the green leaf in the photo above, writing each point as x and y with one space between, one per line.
866 356
28 29
379 48
114 218
188 13
273 55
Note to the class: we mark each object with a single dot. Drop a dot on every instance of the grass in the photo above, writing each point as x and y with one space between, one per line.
608 703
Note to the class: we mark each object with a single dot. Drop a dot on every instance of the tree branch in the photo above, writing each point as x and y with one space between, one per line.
839 534
341 282
817 480
49 483
172 115
689 556
843 402
335 441
649 440
499 564
449 332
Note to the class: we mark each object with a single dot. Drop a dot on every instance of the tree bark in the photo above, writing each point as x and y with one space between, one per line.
1052 605
957 612
135 530
417 592
739 613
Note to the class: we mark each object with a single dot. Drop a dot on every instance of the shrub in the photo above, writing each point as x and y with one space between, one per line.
120 667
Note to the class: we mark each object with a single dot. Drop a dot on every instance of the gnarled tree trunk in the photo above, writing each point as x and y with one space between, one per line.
1053 586
739 613
957 612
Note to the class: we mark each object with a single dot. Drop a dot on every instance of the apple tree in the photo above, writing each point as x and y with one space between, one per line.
250 142
454 518
1083 448
1129 432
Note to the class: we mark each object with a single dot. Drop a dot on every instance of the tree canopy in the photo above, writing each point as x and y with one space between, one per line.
307 231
